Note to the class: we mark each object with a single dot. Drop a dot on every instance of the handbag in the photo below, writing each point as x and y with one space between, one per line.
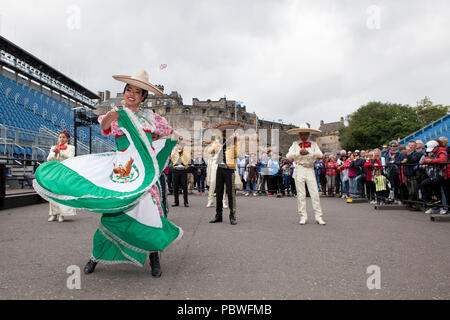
345 175
237 180
245 176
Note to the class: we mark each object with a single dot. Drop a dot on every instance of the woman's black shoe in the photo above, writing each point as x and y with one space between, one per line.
154 264
90 266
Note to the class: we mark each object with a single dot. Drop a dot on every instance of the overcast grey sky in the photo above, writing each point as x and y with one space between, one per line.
292 60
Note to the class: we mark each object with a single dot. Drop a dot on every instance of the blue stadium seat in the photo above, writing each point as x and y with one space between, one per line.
30 117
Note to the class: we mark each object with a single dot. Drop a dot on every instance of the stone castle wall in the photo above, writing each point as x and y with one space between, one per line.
206 114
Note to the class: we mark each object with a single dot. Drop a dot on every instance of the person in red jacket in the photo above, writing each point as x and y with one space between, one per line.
370 163
439 155
331 172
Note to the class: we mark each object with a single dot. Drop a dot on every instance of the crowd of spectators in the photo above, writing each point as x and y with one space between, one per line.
414 175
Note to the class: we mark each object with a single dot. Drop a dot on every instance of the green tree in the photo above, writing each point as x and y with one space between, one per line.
427 112
376 123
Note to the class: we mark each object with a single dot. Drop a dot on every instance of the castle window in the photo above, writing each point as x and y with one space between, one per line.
203 111
150 104
167 109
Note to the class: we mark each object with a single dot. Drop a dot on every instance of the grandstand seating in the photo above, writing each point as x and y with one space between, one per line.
23 107
438 128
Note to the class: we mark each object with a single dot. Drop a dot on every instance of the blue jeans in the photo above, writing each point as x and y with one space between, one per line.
286 181
360 186
443 198
344 185
318 182
253 186
199 182
352 184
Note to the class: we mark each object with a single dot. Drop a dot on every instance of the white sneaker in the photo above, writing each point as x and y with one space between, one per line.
255 194
443 211
429 211
52 218
210 204
302 221
60 218
320 221
246 194
225 205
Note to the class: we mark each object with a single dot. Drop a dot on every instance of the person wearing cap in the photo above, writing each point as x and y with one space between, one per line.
180 159
137 88
304 152
226 171
438 155
60 152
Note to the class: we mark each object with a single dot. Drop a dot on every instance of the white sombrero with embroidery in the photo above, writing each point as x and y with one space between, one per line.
140 80
304 127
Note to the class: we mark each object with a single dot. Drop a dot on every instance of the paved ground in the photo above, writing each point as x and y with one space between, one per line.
268 255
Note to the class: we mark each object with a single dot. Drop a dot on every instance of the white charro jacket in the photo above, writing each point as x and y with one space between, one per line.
304 160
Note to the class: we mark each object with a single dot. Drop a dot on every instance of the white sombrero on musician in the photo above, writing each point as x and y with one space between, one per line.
140 80
304 127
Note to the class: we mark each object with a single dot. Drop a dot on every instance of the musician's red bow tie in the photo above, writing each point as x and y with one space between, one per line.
305 144
61 146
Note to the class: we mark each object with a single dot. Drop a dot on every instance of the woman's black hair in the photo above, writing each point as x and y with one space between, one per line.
144 92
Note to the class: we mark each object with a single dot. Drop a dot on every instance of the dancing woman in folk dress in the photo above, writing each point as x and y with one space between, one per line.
123 185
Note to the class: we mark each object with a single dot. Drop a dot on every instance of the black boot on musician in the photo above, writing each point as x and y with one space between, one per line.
90 266
154 264
217 218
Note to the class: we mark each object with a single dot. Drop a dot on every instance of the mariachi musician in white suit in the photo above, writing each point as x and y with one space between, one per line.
304 152
213 162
